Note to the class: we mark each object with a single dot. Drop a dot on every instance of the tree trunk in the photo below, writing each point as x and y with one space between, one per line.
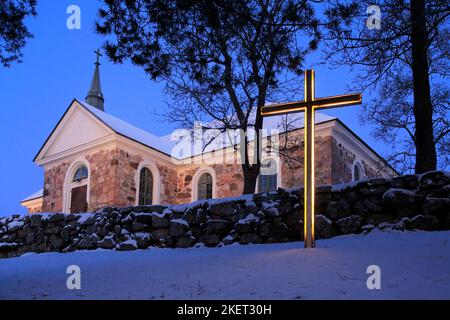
423 109
250 164
251 168
250 177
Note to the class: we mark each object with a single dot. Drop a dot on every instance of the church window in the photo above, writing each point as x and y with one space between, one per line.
145 187
358 173
268 178
80 174
205 185
76 197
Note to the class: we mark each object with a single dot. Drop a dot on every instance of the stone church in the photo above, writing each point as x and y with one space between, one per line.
92 159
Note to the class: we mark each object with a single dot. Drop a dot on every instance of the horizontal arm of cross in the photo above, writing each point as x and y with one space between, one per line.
343 100
283 108
319 103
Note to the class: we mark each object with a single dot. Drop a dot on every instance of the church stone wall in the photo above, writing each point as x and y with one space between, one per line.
169 184
102 185
116 178
120 166
229 180
342 165
292 159
184 183
53 187
112 181
371 171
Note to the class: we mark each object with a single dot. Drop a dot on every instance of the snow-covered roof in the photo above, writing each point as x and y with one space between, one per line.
128 130
35 195
165 143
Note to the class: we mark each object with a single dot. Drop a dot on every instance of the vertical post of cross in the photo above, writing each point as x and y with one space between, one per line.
309 185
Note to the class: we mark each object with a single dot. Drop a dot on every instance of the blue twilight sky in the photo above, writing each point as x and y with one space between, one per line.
58 66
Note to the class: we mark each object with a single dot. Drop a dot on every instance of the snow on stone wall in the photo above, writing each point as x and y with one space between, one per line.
402 203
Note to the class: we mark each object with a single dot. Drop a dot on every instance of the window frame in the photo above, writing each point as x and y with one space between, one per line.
84 175
147 194
70 183
149 164
195 179
357 164
208 184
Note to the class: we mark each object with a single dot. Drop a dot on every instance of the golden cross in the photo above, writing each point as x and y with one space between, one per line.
309 105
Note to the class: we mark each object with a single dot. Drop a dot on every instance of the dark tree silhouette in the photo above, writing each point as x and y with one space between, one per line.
222 60
406 63
13 32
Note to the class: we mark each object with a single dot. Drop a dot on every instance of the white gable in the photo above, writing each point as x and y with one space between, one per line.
77 128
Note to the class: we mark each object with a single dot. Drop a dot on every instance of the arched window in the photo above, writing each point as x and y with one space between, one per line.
205 186
358 172
145 187
80 174
268 177
78 189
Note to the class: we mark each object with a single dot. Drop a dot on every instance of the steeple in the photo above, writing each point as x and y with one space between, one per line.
95 95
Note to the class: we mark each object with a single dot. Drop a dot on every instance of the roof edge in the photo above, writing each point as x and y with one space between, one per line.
54 129
26 200
119 133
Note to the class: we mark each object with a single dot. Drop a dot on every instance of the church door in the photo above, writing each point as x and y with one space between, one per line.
78 202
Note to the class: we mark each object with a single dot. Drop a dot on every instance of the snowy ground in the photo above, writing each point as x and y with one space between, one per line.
413 265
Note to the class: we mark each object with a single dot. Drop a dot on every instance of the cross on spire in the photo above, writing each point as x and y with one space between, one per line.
99 54
309 105
95 96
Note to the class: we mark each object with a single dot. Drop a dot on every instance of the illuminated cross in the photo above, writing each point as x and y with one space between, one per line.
99 54
309 105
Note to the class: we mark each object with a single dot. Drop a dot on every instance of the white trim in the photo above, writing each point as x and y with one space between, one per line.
104 142
196 177
68 184
358 163
149 164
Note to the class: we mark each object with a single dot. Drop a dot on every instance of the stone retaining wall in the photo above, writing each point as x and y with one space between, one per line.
403 203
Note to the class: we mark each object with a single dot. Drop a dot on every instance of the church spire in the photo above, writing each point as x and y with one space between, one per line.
95 95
